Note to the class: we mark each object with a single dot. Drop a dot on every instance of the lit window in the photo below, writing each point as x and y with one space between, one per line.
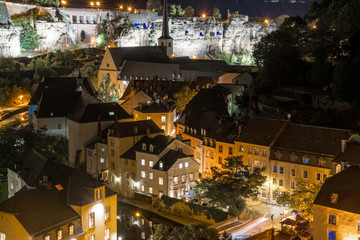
71 229
136 116
142 162
358 225
338 168
305 160
148 117
107 214
332 219
143 174
191 177
102 149
111 113
305 175
151 148
332 235
163 128
180 165
47 237
186 164
161 181
151 175
144 147
161 165
256 163
176 180
142 235
150 190
281 170
275 169
292 184
183 178
264 153
92 237
142 188
99 194
92 220
241 148
151 163
59 235
102 160
12 186
107 234
163 118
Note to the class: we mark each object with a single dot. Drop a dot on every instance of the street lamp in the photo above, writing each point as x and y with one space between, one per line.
21 98
129 9
92 4
63 3
137 214
204 15
121 7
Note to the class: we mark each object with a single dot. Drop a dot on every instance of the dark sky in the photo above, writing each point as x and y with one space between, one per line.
253 8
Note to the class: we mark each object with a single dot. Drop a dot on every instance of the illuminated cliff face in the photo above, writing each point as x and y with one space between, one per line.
196 36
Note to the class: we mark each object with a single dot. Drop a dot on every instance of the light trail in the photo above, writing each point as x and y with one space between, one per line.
249 226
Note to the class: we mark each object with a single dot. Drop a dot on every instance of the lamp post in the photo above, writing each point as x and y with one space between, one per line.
137 214
63 3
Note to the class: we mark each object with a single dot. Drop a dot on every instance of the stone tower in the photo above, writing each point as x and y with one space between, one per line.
165 40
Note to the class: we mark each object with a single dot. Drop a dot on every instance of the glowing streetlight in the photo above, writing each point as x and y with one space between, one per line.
203 15
63 2
97 3
21 98
129 9
92 4
314 27
121 7
138 215
266 21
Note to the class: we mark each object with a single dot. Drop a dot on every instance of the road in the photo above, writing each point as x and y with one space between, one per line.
20 117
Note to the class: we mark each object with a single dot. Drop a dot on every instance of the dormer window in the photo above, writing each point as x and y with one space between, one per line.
151 148
161 165
111 113
59 234
144 146
99 194
71 229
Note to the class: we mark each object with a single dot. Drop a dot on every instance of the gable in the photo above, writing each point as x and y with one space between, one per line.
107 62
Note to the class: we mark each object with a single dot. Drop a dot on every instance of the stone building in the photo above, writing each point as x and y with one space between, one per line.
336 207
9 35
162 113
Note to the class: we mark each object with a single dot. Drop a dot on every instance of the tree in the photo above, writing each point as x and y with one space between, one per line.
16 141
154 5
216 14
102 40
107 90
195 231
173 10
179 11
226 236
29 39
243 103
301 199
231 185
189 11
183 97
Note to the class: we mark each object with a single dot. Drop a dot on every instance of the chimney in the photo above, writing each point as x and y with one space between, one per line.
343 145
204 132
239 131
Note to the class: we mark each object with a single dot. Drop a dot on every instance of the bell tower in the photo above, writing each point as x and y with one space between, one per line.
165 40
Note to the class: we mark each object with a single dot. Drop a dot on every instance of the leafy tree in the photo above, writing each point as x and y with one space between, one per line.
183 97
231 185
243 103
195 231
226 236
179 11
62 58
154 5
107 90
17 140
48 3
301 199
189 11
173 10
246 58
216 14
102 40
29 39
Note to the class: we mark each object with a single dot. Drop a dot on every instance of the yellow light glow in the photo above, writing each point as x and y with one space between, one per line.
97 3
121 6
63 2
314 26
92 3
266 21
129 9
98 209
194 57
22 119
137 214
21 97
203 15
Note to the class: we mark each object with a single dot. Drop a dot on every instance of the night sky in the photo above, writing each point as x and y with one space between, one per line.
253 8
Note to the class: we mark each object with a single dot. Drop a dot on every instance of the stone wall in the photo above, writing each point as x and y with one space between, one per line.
53 35
9 41
197 36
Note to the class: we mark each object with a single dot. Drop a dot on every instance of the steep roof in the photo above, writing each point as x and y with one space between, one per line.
101 111
40 209
346 185
4 14
139 54
261 131
350 155
159 142
155 107
133 128
312 139
169 159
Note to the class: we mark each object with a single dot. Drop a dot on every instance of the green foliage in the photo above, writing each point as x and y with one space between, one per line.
189 11
226 236
107 90
302 197
176 10
195 231
29 39
102 40
183 97
246 58
154 5
16 141
172 10
243 103
216 14
48 3
231 185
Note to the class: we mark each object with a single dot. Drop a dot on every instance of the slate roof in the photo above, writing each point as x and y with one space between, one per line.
160 142
261 131
312 139
346 185
101 111
58 97
127 129
40 209
350 155
169 159
139 54
155 107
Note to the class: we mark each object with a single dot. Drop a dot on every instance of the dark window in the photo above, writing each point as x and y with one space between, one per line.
281 182
220 149
275 169
220 160
305 174
293 172
281 170
332 219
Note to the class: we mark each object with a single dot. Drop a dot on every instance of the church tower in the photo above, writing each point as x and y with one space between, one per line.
165 40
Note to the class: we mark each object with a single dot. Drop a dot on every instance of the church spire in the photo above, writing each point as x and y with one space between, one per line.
165 26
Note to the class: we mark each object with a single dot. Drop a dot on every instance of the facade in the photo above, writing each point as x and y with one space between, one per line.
134 100
161 165
336 207
163 115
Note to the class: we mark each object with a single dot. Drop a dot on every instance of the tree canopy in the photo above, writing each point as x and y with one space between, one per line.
154 5
189 11
183 97
195 231
216 14
107 90
231 185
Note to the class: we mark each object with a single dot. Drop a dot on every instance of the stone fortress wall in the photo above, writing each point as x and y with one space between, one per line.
192 36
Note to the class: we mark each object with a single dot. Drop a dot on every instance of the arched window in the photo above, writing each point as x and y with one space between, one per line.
144 146
151 148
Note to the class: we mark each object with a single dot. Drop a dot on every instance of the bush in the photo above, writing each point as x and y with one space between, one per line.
29 39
